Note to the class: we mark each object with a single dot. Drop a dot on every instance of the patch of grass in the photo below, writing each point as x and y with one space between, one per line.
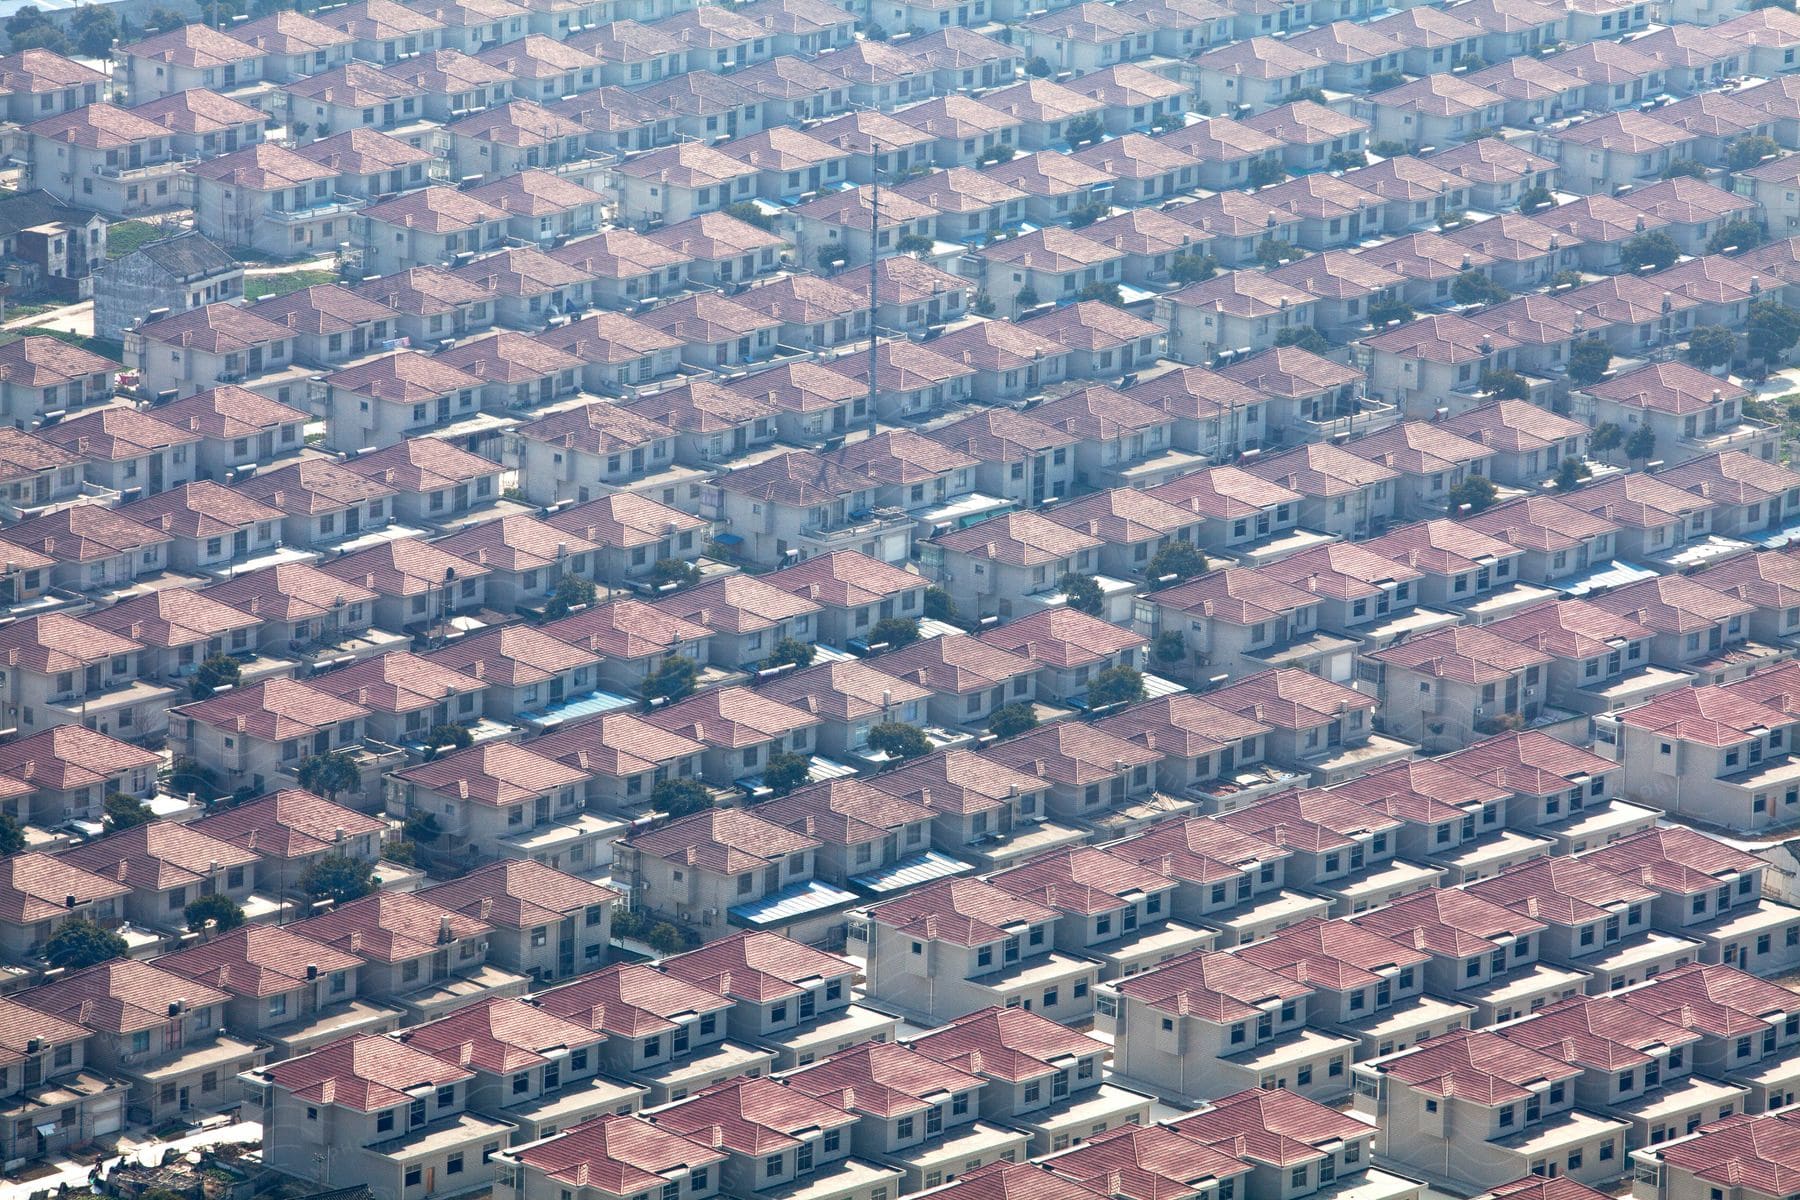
19 312
261 287
123 237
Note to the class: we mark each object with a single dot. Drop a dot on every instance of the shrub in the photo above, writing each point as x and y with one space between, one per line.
672 679
914 243
1751 149
680 797
1474 287
830 258
1265 171
572 592
224 912
1115 685
750 214
1684 168
338 877
1180 559
1390 148
1588 360
790 652
1641 444
1569 474
1039 67
1711 346
1307 337
457 737
1010 720
1773 327
1507 385
328 774
1084 130
217 671
1534 199
1386 312
1082 593
938 605
898 740
80 943
1476 493
1272 252
785 772
1736 236
1193 268
1169 647
126 812
1347 160
894 632
675 571
1027 297
1605 437
1655 251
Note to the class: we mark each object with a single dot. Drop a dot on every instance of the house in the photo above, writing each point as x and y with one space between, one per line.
435 483
157 1031
958 945
993 567
323 502
174 274
526 558
1204 1023
1517 1104
238 430
365 1123
1444 687
259 735
735 870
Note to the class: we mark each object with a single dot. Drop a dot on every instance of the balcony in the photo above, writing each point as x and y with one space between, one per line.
172 166
860 524
332 206
1744 435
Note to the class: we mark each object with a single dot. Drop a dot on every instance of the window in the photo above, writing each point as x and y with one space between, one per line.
414 1173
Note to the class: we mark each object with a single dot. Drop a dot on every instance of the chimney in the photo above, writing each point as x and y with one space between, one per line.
445 933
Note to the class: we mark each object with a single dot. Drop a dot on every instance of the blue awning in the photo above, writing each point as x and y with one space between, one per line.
1616 573
591 704
791 903
909 872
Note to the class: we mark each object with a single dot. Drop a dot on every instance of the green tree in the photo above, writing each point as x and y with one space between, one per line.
1115 685
1588 360
81 943
1641 444
1507 385
12 835
994 155
1684 168
1736 236
1272 252
1347 160
1316 95
1474 287
1183 560
1751 149
898 740
1082 593
164 19
1534 199
94 29
217 671
1381 81
31 29
1265 171
914 243
1170 647
790 652
1773 327
338 877
1027 297
457 737
938 605
1083 215
894 632
421 826
1569 474
1563 280
831 257
1192 268
751 214
1605 437
665 938
572 592
677 572
126 812
328 774
785 772
224 912
1084 130
672 679
1039 67
1655 250
1389 148
1307 337
1477 493
1389 312
680 797
1010 720
1711 346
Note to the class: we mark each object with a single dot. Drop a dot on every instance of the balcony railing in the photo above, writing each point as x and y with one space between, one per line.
173 166
331 207
857 524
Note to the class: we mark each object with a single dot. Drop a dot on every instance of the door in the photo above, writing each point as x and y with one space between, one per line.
265 445
156 473
352 520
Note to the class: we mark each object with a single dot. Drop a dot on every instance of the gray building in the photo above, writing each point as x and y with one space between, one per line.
175 274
